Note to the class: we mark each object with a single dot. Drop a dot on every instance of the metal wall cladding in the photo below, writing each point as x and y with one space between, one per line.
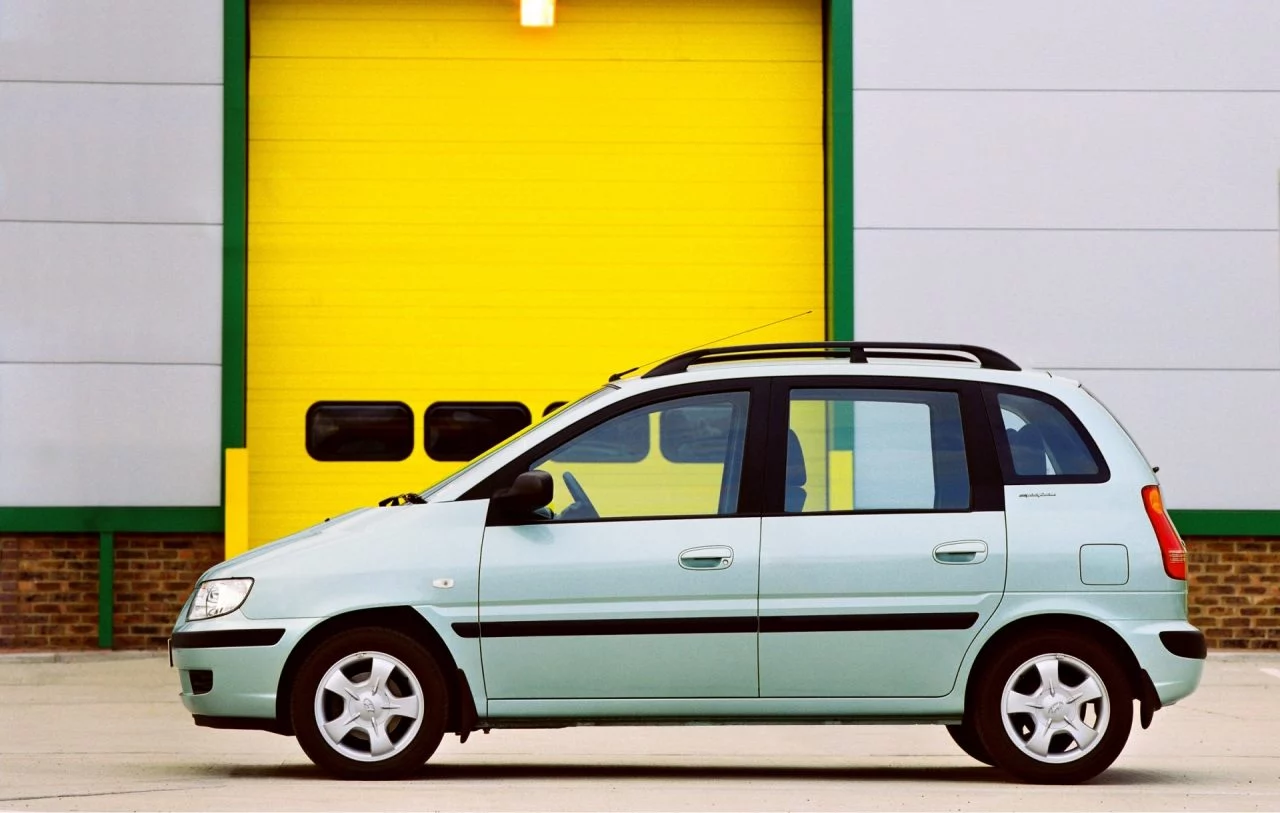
75 292
110 229
1067 45
111 153
92 434
111 41
1063 298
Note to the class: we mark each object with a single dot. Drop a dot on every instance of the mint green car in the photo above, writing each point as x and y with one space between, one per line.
802 533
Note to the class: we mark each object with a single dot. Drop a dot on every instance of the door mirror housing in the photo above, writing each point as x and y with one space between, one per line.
530 491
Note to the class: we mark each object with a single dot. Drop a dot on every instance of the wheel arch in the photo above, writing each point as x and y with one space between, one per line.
1140 682
400 618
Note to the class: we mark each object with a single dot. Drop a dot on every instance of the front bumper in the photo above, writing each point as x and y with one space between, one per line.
231 666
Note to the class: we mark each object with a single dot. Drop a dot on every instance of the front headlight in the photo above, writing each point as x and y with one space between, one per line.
218 597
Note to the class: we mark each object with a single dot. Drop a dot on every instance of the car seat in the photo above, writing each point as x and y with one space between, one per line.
796 475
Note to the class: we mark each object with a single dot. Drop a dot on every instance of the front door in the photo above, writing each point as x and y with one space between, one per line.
886 553
640 579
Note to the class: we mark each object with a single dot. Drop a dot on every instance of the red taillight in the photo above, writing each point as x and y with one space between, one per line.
1172 549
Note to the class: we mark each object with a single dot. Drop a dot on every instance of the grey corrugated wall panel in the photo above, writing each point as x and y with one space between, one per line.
110 153
1081 44
119 293
1078 298
111 41
109 434
930 159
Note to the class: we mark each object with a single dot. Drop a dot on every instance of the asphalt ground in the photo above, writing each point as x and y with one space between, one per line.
108 733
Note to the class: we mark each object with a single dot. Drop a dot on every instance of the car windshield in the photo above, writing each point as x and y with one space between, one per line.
560 416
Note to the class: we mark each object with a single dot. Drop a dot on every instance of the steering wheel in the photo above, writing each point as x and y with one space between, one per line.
582 507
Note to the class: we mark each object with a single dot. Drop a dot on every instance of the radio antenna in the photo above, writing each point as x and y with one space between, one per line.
617 376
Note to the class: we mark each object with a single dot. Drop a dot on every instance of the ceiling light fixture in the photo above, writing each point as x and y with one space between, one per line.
537 13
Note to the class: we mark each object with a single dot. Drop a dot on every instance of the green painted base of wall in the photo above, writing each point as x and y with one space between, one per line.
111 519
1227 523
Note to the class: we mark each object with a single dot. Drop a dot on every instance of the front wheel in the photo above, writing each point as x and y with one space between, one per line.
1054 707
369 704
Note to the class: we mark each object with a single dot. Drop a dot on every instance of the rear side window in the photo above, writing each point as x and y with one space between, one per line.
1042 442
875 450
359 430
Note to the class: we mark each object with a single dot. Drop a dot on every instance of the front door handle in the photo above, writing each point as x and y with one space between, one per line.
964 552
716 557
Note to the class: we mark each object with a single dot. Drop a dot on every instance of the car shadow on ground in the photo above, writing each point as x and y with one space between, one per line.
446 772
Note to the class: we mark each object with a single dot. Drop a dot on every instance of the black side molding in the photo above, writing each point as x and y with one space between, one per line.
1185 643
226 638
857 622
876 622
242 724
640 626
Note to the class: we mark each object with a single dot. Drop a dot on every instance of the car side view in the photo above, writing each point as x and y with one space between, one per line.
828 532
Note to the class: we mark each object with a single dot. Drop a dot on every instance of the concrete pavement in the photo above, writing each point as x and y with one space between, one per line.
108 733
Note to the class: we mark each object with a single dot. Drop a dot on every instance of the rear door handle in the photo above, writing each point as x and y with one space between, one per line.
715 557
964 552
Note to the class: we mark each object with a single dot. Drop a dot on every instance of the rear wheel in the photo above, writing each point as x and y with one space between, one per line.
966 736
369 704
1055 707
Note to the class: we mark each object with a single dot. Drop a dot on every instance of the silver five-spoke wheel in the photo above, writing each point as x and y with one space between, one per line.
369 706
369 703
1054 705
1056 708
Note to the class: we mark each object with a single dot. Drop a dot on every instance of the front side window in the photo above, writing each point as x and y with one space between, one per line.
875 450
1040 443
677 458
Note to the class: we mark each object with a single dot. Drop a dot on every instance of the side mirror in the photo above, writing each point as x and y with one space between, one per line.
530 491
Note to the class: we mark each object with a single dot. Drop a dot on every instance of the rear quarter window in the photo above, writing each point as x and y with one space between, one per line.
1040 440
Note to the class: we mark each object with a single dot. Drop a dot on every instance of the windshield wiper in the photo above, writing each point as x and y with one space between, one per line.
409 498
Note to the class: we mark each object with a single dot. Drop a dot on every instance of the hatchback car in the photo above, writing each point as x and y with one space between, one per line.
785 533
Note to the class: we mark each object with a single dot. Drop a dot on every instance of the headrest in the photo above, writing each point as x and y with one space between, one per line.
796 475
1027 447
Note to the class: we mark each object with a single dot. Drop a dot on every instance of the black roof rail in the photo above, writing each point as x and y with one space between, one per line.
855 352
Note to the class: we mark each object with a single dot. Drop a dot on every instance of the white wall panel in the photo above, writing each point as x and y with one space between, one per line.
133 435
119 293
1149 44
1214 435
1088 299
111 40
110 153
1066 160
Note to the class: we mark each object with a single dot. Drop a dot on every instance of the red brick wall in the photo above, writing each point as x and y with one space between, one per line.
1234 591
49 591
154 575
49 587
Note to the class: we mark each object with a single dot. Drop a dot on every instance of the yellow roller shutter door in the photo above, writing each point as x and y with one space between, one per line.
444 206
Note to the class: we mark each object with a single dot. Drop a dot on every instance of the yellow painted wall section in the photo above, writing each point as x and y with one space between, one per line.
236 502
446 206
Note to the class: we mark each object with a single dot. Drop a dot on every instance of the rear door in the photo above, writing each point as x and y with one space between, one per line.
883 545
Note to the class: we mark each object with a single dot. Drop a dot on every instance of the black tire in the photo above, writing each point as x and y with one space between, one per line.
1074 733
965 736
385 675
